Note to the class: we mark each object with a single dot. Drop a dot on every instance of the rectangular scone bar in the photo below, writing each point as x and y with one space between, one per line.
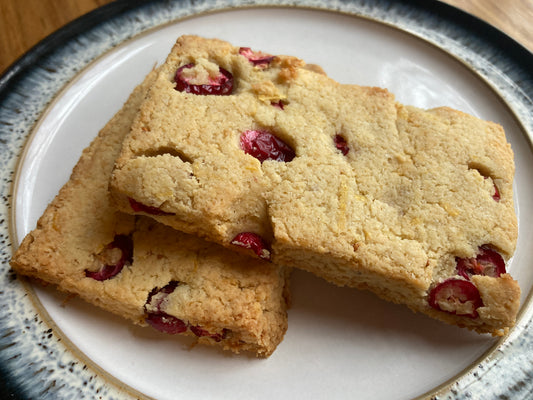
263 155
145 271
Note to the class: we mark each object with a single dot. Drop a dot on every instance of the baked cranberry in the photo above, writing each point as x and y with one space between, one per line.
200 332
496 195
165 290
341 144
115 255
221 85
278 104
159 319
139 207
488 262
257 58
254 242
263 145
166 323
456 296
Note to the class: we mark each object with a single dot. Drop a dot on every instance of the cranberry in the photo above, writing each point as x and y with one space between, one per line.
139 207
200 332
257 58
165 290
115 255
254 242
341 144
487 262
263 145
159 319
278 104
456 296
166 323
496 195
221 85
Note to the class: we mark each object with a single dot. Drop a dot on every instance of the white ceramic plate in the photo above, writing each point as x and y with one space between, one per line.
341 343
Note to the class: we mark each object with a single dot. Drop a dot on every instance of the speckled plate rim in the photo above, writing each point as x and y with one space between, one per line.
501 62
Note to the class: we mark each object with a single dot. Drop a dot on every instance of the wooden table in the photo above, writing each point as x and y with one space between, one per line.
25 22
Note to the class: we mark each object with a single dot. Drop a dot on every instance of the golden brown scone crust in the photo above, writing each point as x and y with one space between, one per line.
218 290
414 192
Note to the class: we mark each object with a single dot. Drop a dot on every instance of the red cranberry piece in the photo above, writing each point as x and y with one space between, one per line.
456 296
139 207
159 319
116 254
257 58
341 144
104 273
165 290
199 331
278 104
222 85
254 242
166 323
263 145
496 195
487 262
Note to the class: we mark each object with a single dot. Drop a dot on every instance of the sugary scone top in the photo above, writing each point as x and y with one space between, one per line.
262 152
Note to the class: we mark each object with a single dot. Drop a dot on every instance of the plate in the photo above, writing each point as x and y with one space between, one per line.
340 342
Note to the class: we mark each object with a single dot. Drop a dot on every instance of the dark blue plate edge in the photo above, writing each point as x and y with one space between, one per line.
500 43
482 31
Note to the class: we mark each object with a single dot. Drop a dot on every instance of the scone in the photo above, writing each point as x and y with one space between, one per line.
261 154
148 272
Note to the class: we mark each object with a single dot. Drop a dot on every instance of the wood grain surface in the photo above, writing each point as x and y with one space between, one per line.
23 23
